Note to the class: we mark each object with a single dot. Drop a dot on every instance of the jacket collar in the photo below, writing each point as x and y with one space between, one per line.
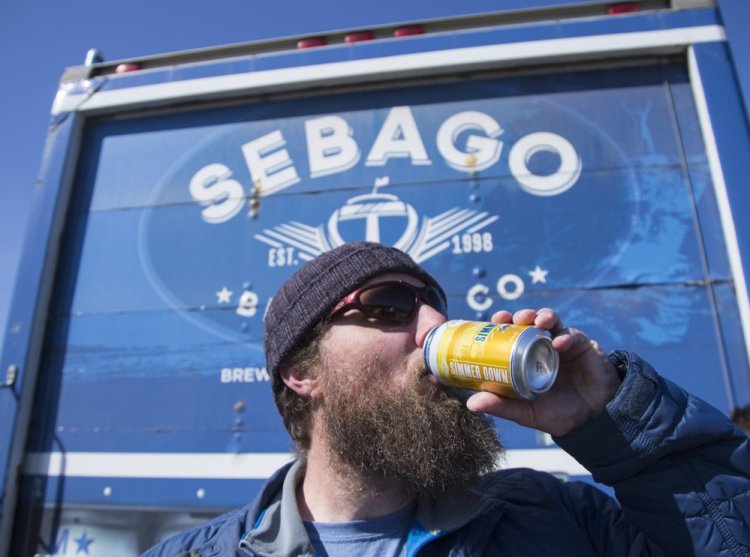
279 530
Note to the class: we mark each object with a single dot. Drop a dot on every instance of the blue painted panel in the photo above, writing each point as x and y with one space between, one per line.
613 119
161 298
737 379
176 493
159 391
158 300
732 136
735 15
167 258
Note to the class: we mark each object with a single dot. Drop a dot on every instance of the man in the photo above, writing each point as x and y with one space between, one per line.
390 463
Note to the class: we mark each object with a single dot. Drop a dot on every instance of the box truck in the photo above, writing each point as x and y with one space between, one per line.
586 156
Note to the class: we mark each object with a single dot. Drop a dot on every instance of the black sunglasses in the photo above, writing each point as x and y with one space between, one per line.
394 301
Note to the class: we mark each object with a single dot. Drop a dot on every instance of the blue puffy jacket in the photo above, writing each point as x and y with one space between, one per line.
679 467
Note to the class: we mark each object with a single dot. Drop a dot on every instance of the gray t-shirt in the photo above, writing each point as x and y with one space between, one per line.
378 537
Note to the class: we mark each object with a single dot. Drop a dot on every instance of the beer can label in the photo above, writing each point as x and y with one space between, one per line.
508 360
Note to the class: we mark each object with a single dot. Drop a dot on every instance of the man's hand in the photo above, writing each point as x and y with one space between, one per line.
586 382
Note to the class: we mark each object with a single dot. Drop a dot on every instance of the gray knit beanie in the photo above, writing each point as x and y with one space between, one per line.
313 290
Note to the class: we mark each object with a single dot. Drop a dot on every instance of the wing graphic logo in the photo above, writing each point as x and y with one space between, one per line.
420 238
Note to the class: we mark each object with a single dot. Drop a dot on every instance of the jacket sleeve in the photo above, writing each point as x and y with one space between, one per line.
679 467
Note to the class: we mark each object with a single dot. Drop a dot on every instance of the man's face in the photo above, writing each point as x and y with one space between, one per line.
385 416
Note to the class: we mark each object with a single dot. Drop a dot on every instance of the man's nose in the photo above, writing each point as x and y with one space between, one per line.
427 319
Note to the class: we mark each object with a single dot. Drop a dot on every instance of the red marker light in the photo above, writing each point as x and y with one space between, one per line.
359 36
127 67
408 31
312 42
623 8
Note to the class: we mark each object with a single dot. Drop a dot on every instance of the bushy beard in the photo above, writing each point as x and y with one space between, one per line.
420 435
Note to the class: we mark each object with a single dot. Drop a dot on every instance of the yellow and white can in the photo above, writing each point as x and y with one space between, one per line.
509 360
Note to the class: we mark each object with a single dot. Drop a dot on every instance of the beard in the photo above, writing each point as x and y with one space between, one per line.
420 436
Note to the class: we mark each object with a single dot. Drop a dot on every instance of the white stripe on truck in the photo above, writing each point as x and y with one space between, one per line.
232 466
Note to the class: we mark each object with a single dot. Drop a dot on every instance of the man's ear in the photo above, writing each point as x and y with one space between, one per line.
300 381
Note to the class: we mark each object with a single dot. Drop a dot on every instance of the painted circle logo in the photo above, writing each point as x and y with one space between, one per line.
233 217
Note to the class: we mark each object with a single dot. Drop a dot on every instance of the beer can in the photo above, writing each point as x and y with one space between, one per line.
509 360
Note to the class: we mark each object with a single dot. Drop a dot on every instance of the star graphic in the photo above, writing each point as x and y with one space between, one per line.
83 543
224 296
538 275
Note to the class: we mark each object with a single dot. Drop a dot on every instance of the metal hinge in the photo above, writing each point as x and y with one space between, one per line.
10 377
